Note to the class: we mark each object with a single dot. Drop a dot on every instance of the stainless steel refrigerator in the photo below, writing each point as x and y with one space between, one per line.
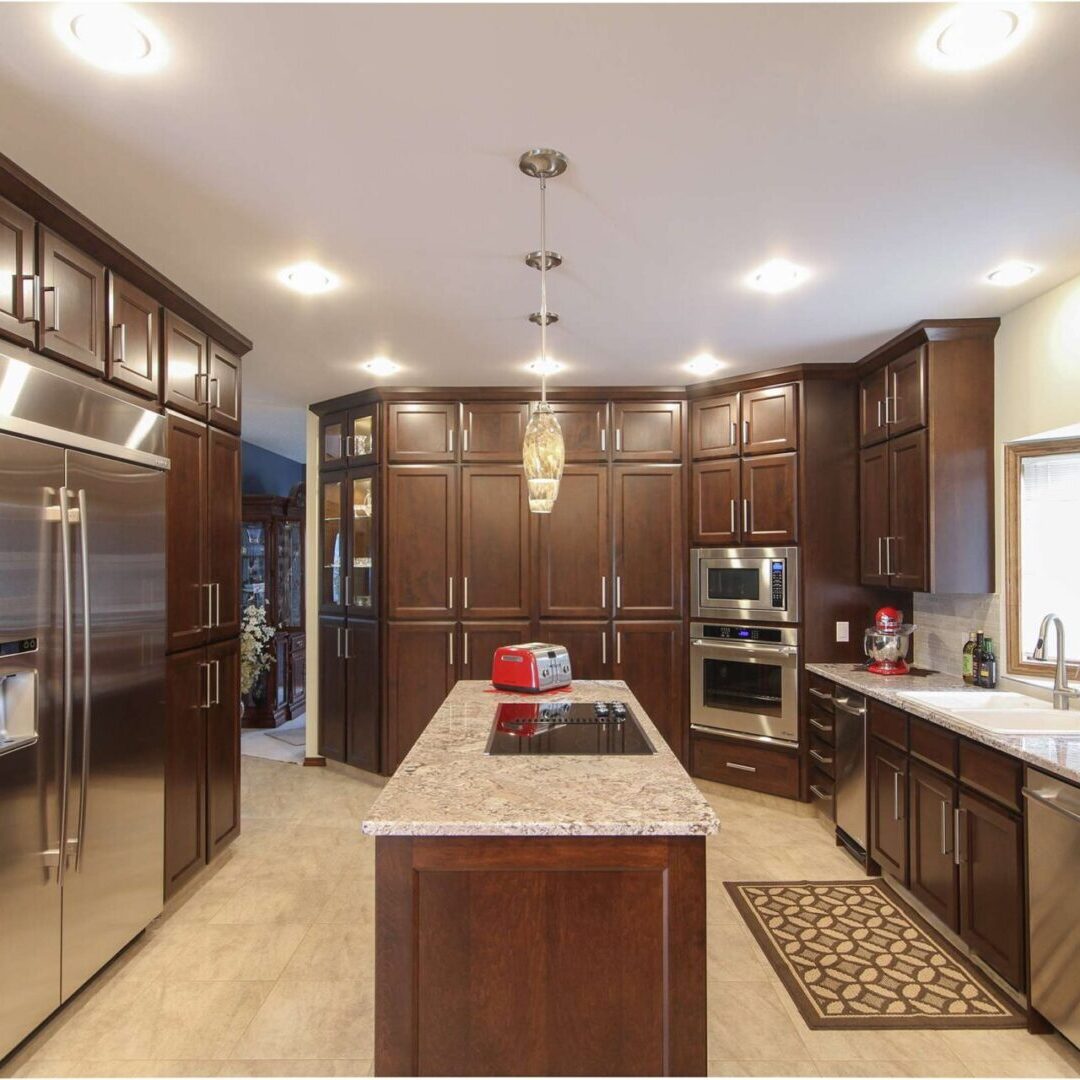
82 682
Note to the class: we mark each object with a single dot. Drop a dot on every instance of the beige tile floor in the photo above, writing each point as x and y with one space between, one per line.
264 967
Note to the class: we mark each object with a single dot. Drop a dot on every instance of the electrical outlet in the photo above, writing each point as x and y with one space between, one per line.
842 632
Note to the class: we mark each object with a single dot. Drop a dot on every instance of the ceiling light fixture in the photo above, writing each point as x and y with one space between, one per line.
703 364
972 35
111 36
543 451
381 365
777 276
1012 272
547 366
308 278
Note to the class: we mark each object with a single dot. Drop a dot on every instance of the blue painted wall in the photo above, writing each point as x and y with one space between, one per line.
267 473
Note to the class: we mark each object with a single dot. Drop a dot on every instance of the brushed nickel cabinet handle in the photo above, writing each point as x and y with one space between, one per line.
745 432
821 694
451 604
465 648
215 382
450 440
217 603
814 722
603 440
741 768
879 424
946 806
603 646
959 847
821 793
618 439
603 591
207 701
732 517
52 325
29 283
209 624
217 682
618 646
339 642
348 643
465 440
734 434
119 343
450 635
201 398
618 591
465 591
897 812
745 517
348 582
820 757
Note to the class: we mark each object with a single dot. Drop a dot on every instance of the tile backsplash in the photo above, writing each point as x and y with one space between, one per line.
943 623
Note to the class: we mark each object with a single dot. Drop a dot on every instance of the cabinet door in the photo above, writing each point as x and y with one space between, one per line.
420 672
907 549
493 430
18 265
333 430
223 747
361 430
770 486
186 571
224 388
714 427
134 333
186 695
649 658
649 549
873 513
888 812
421 541
647 430
332 689
333 543
361 648
716 500
297 675
479 640
934 879
575 547
873 390
769 420
991 853
907 392
185 364
224 521
495 573
72 326
362 519
590 645
584 427
421 431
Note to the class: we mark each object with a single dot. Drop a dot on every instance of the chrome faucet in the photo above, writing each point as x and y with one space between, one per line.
1063 692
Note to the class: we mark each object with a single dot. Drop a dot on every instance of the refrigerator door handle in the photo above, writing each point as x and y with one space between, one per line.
84 778
65 772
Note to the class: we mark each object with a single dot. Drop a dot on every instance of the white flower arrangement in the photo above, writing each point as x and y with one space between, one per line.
255 637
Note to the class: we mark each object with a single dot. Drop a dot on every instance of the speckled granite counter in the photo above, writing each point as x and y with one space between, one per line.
447 786
1055 754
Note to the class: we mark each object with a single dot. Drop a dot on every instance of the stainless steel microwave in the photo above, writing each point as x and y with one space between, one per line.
750 584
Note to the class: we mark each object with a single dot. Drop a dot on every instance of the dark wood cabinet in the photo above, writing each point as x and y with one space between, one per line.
493 430
647 518
185 362
134 332
360 641
716 502
349 437
906 554
887 768
873 513
224 389
590 644
649 658
479 640
422 541
224 518
584 427
189 602
647 430
223 747
932 799
770 486
714 427
421 431
907 392
873 392
575 547
18 266
769 420
495 527
757 766
333 693
71 324
421 669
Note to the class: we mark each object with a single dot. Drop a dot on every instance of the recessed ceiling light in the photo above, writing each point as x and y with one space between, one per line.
381 365
777 276
1012 272
308 277
971 35
703 364
544 367
111 36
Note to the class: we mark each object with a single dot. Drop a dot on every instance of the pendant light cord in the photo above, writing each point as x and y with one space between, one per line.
543 290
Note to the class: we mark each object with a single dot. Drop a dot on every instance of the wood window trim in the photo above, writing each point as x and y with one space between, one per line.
1015 453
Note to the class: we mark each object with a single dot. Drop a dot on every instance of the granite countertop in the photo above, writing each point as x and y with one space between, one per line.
448 786
1056 754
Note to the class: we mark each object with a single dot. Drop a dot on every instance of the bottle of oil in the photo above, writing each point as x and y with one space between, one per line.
988 676
976 660
968 664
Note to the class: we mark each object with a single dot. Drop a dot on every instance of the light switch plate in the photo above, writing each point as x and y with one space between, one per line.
842 632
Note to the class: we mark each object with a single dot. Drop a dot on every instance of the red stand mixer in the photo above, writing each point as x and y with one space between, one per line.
886 642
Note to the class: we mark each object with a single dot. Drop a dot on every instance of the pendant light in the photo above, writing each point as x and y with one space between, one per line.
543 452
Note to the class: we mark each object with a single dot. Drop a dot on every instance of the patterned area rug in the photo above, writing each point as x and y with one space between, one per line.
852 954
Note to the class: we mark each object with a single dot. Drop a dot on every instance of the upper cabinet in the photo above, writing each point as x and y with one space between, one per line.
134 323
647 430
349 437
769 420
18 266
493 430
584 427
71 304
186 364
224 389
714 427
421 431
893 399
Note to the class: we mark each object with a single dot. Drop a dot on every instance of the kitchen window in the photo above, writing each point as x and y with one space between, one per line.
1042 517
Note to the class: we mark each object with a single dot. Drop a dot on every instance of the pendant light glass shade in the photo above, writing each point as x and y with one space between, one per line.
543 454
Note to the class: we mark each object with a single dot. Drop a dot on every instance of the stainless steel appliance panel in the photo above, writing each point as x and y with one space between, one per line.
1053 844
31 607
114 879
750 584
850 728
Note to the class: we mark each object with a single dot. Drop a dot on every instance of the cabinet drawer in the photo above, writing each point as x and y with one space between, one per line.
933 744
822 723
992 773
744 764
888 724
821 691
822 756
822 793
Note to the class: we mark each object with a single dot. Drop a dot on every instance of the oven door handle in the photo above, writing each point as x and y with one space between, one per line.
783 655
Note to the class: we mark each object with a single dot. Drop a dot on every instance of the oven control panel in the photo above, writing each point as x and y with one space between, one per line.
777 576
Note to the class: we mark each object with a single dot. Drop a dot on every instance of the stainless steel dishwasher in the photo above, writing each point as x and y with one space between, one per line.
850 727
1053 844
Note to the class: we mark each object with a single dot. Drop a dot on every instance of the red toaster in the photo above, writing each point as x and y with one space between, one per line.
532 667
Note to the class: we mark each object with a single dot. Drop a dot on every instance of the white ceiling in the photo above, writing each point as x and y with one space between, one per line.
382 142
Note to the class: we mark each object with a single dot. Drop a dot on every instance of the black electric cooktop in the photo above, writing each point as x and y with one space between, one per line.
566 727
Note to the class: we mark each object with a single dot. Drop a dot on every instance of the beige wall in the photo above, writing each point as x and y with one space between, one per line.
311 587
1036 392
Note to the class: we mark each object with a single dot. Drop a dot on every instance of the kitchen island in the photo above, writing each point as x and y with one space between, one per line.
538 914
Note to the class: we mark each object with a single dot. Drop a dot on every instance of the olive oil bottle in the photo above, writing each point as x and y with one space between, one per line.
988 675
967 668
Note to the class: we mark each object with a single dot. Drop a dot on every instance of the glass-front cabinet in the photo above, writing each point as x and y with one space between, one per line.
332 539
348 437
253 570
360 585
347 525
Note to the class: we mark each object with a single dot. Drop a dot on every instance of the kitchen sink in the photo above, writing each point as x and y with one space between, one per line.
999 711
972 700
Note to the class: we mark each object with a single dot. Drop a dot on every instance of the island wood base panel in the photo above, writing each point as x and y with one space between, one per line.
554 956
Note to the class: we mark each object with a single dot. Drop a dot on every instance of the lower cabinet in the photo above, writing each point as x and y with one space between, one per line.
420 671
349 692
202 758
588 643
649 658
932 843
479 640
745 763
887 772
